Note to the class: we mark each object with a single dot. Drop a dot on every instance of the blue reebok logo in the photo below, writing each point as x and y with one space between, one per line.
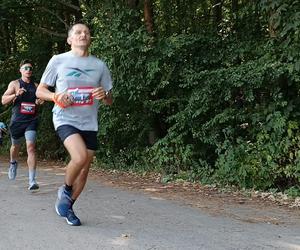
76 72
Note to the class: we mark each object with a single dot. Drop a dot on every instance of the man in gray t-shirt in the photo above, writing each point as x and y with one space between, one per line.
80 81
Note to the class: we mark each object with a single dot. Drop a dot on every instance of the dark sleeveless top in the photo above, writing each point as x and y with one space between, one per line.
24 107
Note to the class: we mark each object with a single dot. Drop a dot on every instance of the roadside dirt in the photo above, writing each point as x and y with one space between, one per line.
243 206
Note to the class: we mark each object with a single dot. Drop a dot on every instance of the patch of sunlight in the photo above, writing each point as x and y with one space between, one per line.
60 174
157 198
119 217
151 189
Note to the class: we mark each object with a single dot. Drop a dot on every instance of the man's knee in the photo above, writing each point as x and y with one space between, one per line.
80 159
30 148
15 147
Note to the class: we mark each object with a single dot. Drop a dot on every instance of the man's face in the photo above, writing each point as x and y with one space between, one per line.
26 70
79 36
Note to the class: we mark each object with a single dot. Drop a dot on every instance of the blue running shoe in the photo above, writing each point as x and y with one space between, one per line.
63 203
12 171
72 219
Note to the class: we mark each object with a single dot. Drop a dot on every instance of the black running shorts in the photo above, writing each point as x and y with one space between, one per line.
89 137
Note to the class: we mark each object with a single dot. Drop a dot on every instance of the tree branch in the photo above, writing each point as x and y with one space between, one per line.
53 33
54 14
72 6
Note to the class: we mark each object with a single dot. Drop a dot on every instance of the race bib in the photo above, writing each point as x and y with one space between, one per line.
27 108
82 96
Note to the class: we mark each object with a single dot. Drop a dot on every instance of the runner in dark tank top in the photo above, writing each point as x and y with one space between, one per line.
24 107
24 120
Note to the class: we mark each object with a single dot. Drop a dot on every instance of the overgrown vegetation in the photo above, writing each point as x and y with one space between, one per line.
205 90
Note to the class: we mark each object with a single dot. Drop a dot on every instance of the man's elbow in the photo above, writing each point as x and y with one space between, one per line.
39 91
3 101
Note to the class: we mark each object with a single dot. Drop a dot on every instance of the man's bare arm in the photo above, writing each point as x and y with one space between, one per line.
10 94
43 93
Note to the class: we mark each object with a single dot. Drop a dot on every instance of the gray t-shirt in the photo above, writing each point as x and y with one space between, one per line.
78 76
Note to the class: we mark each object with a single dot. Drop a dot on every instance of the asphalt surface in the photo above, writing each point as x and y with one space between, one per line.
114 218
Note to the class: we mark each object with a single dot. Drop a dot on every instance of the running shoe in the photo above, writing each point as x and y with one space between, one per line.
72 219
12 171
33 186
63 203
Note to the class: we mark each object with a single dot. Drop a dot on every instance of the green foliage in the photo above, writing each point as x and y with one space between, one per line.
293 191
221 106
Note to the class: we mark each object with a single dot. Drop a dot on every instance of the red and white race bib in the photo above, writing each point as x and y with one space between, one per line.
27 108
82 96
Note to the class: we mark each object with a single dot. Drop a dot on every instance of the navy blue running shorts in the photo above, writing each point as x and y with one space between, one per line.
89 137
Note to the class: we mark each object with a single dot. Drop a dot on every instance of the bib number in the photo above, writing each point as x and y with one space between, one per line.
81 96
27 108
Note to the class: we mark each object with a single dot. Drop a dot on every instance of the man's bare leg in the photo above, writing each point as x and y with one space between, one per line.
31 163
75 178
81 179
14 152
31 156
79 157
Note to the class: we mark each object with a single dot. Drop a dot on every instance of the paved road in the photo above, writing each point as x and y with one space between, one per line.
117 219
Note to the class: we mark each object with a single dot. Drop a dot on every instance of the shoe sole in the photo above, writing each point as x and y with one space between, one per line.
72 224
34 187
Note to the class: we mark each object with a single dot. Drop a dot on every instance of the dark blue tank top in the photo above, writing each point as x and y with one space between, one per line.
24 107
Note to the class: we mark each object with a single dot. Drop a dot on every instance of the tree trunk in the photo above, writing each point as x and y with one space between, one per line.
148 15
217 11
272 20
